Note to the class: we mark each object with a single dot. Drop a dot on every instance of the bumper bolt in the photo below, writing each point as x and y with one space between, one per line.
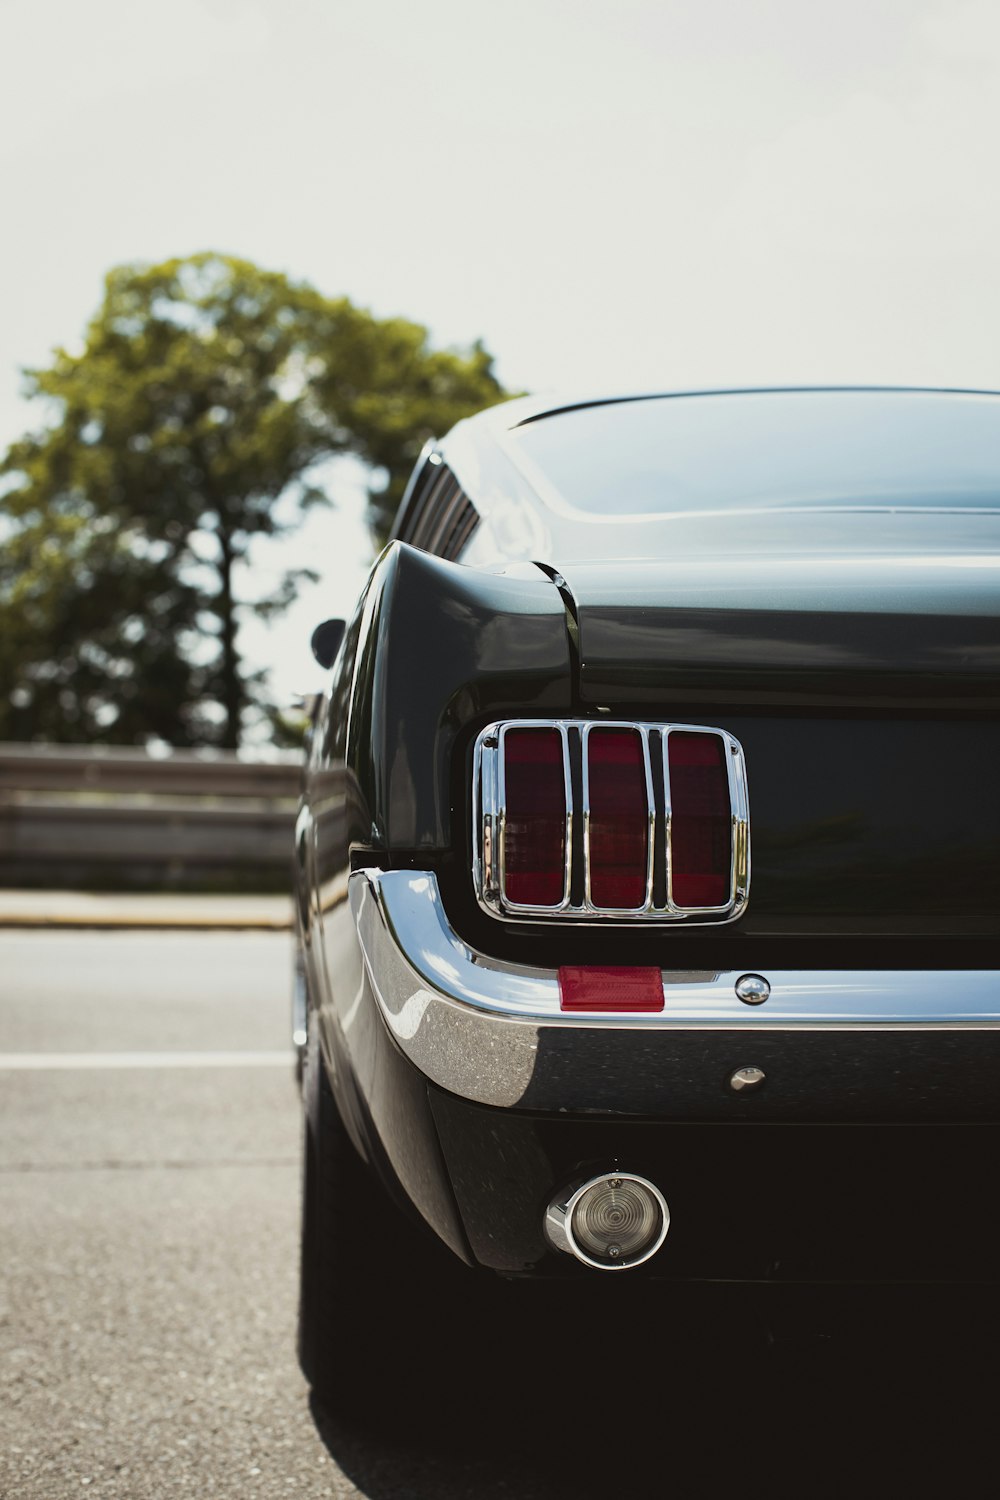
746 1080
752 989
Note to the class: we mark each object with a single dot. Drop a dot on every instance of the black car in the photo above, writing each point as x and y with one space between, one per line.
647 867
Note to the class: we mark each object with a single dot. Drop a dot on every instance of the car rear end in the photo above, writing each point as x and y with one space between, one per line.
673 893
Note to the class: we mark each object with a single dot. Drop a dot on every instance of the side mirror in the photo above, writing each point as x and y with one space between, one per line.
326 639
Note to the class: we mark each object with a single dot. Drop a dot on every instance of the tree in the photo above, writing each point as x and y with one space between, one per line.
393 392
207 391
92 631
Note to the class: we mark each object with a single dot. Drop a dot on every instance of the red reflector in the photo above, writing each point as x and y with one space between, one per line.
619 818
535 823
610 989
701 819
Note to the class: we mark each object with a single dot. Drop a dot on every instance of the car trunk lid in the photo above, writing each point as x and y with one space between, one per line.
795 630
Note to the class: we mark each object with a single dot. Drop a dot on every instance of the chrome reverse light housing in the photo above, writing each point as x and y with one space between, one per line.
610 1223
601 820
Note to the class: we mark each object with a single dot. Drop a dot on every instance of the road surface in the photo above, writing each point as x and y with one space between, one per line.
149 1173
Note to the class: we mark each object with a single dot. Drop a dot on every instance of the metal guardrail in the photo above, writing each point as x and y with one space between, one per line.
66 768
122 819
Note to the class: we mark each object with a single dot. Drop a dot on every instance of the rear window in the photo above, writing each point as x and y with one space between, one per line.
767 450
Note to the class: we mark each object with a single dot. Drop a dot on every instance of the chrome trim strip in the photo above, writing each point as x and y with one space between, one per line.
421 968
300 1003
488 825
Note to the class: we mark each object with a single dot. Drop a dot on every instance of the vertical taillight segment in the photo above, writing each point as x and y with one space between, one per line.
701 850
619 804
534 837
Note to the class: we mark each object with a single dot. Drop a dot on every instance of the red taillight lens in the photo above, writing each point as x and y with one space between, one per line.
701 824
619 818
535 827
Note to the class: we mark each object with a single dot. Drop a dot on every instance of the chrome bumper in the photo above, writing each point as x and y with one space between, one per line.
475 1025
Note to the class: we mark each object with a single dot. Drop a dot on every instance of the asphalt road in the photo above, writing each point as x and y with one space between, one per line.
149 1200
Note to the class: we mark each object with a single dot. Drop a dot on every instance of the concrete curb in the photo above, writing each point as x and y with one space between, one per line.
118 922
82 910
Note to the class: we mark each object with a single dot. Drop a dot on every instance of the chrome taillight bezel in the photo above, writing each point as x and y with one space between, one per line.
489 811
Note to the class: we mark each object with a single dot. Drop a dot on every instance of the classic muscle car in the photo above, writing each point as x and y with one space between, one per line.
647 863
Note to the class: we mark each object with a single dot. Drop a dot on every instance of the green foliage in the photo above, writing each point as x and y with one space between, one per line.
393 392
207 391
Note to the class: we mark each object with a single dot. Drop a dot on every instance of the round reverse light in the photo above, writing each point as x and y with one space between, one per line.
616 1222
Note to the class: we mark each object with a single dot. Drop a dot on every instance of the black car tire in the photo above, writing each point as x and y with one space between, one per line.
368 1276
337 1283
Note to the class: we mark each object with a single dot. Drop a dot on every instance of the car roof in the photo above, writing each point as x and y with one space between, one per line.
527 512
533 407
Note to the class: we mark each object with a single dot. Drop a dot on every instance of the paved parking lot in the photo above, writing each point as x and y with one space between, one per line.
149 1141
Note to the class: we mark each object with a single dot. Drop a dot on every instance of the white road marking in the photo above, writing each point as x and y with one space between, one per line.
69 1061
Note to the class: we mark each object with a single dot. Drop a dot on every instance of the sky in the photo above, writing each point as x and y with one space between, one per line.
631 195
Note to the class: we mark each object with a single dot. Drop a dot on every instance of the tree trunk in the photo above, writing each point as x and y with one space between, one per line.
232 687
